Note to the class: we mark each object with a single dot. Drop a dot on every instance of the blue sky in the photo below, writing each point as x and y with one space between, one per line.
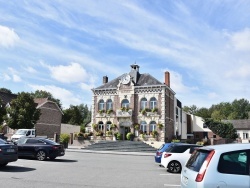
66 47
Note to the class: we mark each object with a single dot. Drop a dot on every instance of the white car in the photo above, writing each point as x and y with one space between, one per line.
218 166
176 156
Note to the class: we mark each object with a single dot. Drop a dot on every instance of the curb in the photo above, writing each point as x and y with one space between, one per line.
79 150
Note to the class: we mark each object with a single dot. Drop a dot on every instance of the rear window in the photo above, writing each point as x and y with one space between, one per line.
196 160
161 146
233 163
177 148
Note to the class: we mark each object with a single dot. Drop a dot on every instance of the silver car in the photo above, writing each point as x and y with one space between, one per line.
219 166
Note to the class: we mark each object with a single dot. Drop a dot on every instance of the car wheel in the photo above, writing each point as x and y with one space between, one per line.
174 167
3 164
41 155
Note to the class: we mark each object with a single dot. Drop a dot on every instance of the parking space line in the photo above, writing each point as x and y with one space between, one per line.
169 174
169 185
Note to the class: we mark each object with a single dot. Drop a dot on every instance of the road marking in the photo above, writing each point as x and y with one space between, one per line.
169 174
169 185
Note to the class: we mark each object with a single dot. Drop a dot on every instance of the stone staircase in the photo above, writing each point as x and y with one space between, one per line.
122 146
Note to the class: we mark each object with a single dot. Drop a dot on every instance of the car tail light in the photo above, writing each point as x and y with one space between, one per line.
158 153
167 155
204 166
54 147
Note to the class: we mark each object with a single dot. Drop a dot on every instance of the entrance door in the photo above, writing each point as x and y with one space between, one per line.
126 130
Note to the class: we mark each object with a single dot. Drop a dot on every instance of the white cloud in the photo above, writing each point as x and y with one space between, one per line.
6 77
8 37
65 96
68 74
30 69
16 78
177 83
240 40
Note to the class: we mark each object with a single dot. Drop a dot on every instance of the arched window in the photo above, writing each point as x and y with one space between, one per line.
152 126
143 103
109 104
125 103
101 105
153 103
100 126
143 127
108 126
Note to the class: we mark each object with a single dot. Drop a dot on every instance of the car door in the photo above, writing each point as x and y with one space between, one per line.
233 169
28 147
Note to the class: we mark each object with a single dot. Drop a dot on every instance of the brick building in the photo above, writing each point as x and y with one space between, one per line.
50 118
135 99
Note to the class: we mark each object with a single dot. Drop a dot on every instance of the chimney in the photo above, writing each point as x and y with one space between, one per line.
167 78
105 79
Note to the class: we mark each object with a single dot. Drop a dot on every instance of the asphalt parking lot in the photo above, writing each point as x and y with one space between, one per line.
81 169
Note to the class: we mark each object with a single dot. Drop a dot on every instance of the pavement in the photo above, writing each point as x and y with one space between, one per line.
70 149
156 145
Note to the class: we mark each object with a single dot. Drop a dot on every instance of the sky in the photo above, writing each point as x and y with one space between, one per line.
66 47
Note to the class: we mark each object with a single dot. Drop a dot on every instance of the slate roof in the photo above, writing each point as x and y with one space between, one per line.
240 124
7 97
143 80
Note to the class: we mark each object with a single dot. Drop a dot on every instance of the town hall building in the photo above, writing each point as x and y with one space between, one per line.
137 103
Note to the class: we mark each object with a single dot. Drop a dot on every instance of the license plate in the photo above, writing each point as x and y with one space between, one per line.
185 180
10 150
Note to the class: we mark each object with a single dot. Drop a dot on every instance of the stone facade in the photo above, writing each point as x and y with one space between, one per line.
131 99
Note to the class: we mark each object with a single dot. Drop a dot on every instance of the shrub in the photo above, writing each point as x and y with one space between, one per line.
82 128
154 133
109 133
64 138
129 135
160 126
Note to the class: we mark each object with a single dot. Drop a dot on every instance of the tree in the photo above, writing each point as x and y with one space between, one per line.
224 130
45 94
77 115
192 109
203 112
241 108
2 112
5 90
22 112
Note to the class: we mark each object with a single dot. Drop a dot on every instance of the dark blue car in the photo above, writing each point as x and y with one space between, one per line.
160 151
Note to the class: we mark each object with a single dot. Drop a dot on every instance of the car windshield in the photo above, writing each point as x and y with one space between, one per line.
21 132
196 160
21 140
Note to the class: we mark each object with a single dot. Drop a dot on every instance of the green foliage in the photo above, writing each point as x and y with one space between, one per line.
64 138
48 95
154 134
129 135
160 126
238 109
5 90
2 111
94 126
109 133
224 130
175 141
118 136
136 126
22 112
77 115
109 111
82 128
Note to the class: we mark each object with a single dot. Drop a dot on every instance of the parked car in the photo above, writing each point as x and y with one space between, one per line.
160 150
23 133
176 156
8 152
225 165
39 148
